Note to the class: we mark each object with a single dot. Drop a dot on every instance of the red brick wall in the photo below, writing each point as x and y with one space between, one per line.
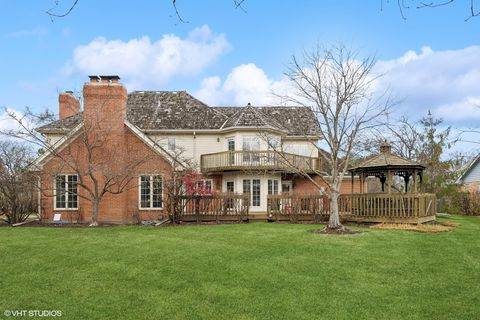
472 186
121 208
68 105
303 185
104 114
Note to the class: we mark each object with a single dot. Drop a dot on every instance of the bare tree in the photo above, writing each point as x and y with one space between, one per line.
18 195
336 85
404 136
404 5
102 163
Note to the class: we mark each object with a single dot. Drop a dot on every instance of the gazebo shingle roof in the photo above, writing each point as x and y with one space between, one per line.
385 159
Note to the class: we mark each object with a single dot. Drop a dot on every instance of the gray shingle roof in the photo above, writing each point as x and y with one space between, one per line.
64 125
153 110
170 110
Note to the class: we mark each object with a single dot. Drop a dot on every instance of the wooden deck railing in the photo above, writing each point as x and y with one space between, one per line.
376 207
297 207
251 160
225 206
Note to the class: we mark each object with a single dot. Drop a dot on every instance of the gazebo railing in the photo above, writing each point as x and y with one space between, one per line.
373 207
396 205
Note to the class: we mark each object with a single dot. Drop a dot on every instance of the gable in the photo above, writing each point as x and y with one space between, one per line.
472 174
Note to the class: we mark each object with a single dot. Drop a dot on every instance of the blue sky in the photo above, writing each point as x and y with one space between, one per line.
226 56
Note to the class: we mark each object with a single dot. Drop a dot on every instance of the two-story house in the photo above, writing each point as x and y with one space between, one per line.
236 149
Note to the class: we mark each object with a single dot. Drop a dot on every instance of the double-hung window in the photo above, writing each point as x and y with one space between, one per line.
171 144
250 144
151 192
66 191
272 186
204 185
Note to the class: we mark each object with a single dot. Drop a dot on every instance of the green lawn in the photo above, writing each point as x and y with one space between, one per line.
243 271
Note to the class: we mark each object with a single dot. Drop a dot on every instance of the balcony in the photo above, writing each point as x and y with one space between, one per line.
256 160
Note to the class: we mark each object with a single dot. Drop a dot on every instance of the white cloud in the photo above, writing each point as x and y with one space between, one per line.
143 62
35 32
467 108
245 83
445 82
10 120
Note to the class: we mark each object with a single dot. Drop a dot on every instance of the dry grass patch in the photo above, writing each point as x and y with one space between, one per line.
427 227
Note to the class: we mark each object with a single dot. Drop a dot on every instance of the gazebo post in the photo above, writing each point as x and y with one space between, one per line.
406 178
352 181
363 182
389 179
415 180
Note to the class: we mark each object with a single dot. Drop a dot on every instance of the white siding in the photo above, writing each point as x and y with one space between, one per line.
51 139
193 146
473 175
304 148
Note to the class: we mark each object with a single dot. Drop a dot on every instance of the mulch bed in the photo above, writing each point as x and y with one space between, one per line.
431 227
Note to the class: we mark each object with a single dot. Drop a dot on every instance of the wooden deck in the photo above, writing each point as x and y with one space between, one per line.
256 160
218 207
378 207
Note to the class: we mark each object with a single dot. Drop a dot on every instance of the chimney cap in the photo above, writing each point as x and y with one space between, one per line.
94 78
110 77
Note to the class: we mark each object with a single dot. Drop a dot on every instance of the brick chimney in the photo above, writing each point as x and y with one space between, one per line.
105 102
68 105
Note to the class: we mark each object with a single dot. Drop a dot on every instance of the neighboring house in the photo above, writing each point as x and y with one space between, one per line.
230 146
470 178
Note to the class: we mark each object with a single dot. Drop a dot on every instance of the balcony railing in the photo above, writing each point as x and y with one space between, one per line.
256 160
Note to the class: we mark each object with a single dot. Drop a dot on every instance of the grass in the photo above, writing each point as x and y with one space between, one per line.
247 271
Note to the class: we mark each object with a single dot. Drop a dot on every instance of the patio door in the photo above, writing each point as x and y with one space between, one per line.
253 187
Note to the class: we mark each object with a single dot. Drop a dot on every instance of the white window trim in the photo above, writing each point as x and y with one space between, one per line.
151 190
254 143
279 186
226 184
229 139
287 182
171 139
205 180
66 193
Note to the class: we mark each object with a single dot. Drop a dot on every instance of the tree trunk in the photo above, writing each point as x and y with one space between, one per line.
334 221
95 206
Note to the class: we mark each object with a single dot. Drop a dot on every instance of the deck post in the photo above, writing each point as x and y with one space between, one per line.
352 183
414 180
389 179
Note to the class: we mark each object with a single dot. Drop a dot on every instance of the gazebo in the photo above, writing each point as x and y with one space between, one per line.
404 204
